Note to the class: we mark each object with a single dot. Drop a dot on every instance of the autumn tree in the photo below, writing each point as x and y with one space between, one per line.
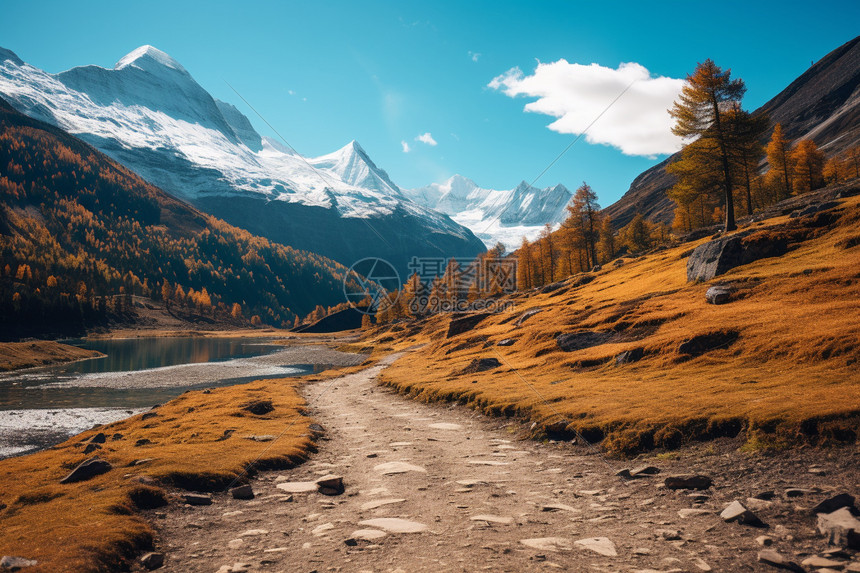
746 132
808 166
584 212
699 179
832 171
525 266
606 242
698 113
781 163
636 234
852 156
236 311
546 246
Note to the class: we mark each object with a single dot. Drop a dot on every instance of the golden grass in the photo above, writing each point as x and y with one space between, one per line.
94 525
15 355
791 375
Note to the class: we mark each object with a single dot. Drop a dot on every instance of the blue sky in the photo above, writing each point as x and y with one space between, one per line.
385 73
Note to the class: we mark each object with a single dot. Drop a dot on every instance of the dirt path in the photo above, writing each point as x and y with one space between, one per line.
478 499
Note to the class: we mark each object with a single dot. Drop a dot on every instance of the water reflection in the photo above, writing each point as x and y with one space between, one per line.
130 354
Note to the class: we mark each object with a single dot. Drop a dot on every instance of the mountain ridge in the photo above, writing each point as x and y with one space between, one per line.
150 114
496 215
72 214
822 104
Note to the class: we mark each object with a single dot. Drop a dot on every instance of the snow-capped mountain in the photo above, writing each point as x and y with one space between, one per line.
150 114
496 216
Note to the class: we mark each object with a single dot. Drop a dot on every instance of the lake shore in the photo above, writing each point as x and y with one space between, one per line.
35 353
51 412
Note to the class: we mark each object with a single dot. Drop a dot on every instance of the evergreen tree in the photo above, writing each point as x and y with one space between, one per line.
699 113
781 163
525 264
808 166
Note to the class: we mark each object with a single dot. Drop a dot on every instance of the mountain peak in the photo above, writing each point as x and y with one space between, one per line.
352 147
148 57
11 56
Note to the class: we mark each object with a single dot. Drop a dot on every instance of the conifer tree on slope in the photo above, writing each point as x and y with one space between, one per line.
699 111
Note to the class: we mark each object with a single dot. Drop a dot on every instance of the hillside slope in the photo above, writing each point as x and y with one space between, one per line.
77 229
823 104
634 355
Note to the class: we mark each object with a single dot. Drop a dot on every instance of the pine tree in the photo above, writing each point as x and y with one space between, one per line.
606 244
746 133
636 234
584 206
698 113
832 171
781 163
808 166
525 264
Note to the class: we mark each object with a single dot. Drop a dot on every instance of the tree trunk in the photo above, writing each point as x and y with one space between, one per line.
730 204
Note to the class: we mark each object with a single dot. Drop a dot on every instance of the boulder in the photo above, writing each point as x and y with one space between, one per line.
644 471
688 481
506 342
813 209
242 492
88 469
818 562
152 561
10 563
581 339
719 256
196 499
831 504
481 365
465 323
702 343
779 561
330 485
736 512
526 315
840 527
718 294
629 356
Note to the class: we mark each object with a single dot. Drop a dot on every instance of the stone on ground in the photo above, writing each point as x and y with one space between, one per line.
548 543
390 468
395 525
601 545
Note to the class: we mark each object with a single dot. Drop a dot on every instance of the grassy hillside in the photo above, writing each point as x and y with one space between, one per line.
78 231
198 441
778 364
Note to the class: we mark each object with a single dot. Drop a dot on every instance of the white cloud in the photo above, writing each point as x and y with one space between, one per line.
637 124
474 55
426 138
405 146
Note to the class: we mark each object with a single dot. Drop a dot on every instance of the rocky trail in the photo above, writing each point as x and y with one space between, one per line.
443 488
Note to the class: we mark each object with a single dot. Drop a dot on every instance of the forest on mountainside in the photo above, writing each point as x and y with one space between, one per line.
80 235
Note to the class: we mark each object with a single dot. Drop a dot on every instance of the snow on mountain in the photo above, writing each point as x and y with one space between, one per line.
149 113
504 216
353 166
